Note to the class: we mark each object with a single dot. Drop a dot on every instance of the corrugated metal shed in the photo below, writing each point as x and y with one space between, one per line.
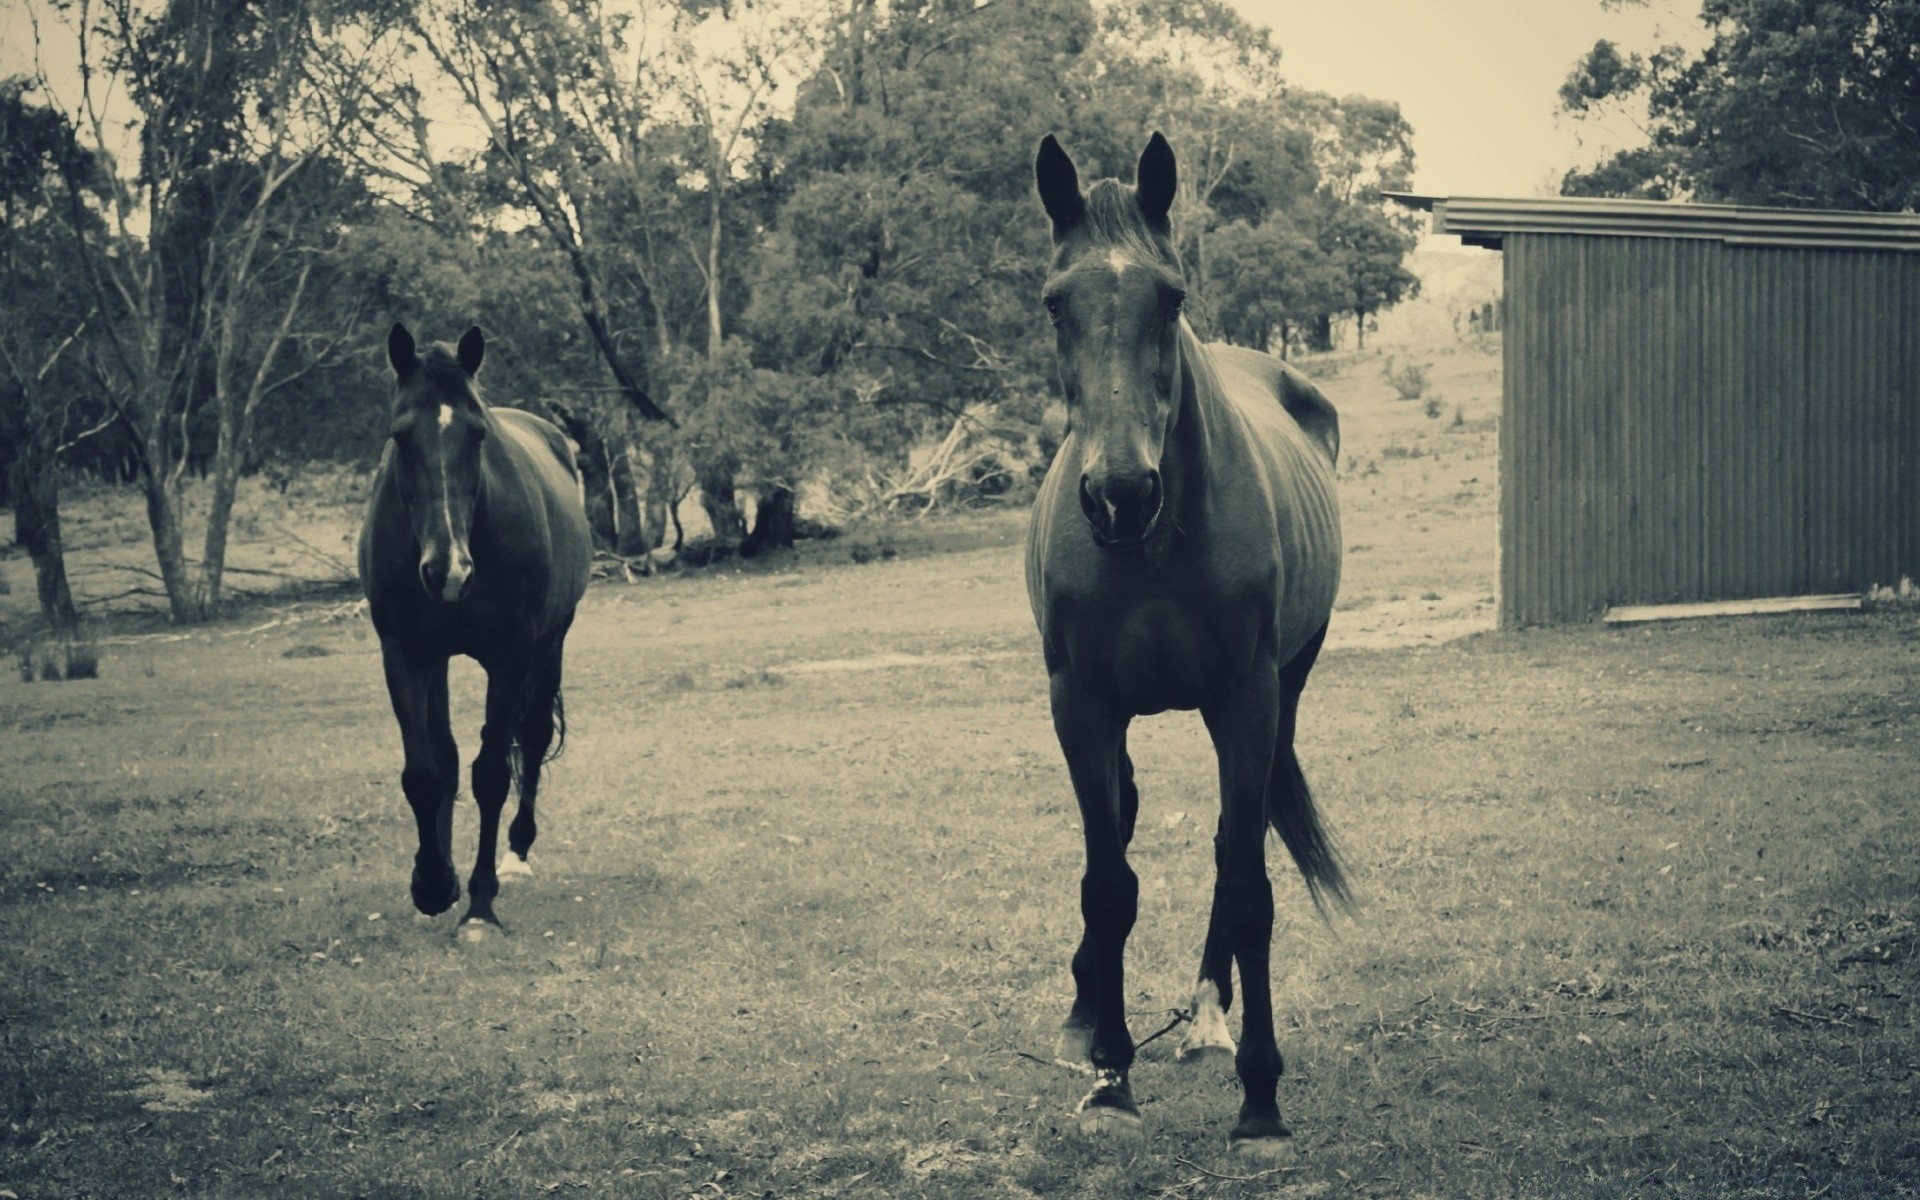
1700 402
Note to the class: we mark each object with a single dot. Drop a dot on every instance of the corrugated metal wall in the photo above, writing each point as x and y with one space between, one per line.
1689 420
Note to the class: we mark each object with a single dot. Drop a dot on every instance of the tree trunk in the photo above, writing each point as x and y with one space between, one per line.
594 482
1320 337
163 518
723 509
632 537
772 524
657 498
213 561
713 256
34 484
1359 329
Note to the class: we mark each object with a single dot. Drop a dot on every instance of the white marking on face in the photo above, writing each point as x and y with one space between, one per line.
459 566
1118 260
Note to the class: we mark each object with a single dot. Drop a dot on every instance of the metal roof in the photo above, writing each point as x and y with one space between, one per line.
1486 220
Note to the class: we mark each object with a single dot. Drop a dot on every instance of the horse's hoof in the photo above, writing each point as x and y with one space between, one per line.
513 864
1208 1033
1108 1110
1261 1137
476 930
432 901
1192 1051
1075 1043
1110 1123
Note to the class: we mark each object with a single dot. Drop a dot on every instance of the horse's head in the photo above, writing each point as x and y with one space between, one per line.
439 423
1114 292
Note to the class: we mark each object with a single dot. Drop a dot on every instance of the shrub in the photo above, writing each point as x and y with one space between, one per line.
1410 381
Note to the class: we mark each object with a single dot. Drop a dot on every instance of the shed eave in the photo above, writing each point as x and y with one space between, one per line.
1486 220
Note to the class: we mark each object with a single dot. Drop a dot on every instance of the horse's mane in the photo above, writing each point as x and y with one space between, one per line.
1113 218
441 368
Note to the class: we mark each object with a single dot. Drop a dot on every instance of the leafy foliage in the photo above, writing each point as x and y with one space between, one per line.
1804 103
805 236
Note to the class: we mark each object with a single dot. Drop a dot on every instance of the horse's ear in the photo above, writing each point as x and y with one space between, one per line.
1154 181
1059 186
400 351
473 347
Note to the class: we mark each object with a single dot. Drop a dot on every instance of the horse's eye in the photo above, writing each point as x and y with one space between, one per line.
1053 307
1177 303
478 433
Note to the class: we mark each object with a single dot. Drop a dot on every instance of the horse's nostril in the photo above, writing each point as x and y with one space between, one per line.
1093 508
1154 495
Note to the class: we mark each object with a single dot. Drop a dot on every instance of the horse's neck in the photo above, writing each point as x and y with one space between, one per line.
1198 425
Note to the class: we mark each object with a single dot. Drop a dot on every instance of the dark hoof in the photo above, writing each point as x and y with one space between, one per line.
434 899
1076 1040
1108 1110
1261 1137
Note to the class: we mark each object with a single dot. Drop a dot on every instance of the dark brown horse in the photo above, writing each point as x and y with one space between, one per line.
476 543
1184 554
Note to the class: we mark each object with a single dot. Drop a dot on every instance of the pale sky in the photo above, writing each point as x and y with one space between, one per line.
1477 79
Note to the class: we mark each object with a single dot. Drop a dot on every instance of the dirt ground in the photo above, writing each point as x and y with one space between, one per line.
1417 495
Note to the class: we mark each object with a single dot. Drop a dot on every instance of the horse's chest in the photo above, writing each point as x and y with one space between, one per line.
1159 654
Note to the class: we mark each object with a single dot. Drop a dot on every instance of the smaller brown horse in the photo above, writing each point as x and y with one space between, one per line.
476 542
1184 553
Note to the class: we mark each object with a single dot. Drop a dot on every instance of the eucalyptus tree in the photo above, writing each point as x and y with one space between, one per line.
196 243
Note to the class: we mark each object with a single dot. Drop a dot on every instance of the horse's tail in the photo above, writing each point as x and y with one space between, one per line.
516 755
559 741
1291 812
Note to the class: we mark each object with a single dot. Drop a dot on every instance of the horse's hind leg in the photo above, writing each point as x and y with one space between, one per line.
1207 1032
537 724
492 776
1245 726
1213 990
412 684
1076 1032
446 758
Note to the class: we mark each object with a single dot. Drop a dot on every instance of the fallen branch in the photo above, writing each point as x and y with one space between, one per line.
1187 1162
1797 1015
1063 1064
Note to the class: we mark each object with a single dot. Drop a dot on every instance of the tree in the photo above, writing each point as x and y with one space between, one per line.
1803 103
1369 249
1270 279
41 320
194 236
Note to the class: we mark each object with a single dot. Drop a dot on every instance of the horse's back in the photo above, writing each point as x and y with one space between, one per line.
546 455
1269 377
1292 443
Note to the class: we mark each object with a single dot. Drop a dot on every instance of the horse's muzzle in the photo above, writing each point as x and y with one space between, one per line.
1122 510
447 581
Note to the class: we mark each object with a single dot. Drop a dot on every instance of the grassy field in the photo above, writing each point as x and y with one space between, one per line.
1639 905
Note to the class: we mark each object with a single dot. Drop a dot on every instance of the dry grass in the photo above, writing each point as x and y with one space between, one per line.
1639 905
1639 917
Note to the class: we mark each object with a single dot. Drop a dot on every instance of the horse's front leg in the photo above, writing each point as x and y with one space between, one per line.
1244 725
429 784
1092 734
1076 1032
492 776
